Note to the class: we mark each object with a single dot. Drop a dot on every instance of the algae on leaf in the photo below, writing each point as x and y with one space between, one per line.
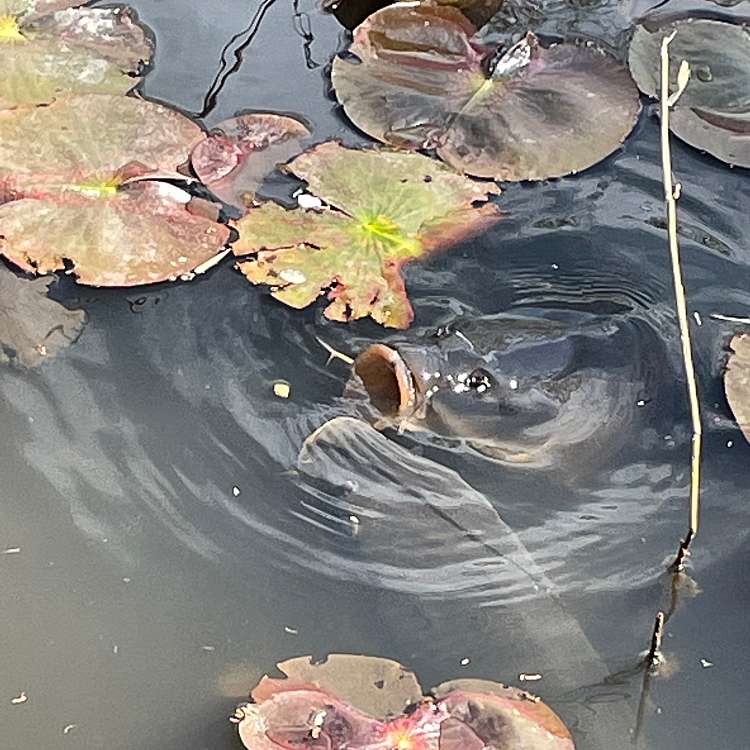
240 152
713 112
421 80
386 209
50 48
33 327
79 178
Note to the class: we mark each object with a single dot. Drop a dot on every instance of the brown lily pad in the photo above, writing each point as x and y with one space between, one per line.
33 327
377 686
141 234
75 173
737 381
463 715
419 81
415 78
51 49
240 152
386 209
713 112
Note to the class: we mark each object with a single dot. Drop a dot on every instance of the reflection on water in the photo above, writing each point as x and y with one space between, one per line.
173 544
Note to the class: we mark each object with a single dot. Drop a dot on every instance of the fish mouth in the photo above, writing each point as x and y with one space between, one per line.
387 379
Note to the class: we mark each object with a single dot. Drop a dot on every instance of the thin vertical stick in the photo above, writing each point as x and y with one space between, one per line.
671 195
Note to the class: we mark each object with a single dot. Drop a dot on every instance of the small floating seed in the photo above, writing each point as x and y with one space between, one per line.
282 389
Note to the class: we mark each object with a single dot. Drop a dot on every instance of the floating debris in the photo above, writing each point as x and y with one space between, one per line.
20 699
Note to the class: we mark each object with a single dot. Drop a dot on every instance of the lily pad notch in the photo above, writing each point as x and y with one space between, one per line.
416 78
382 210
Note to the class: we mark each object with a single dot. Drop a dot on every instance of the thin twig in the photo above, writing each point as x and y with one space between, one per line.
333 353
671 195
654 656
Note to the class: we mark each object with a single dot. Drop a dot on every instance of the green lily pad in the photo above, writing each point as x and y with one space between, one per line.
713 112
737 381
240 152
33 327
71 171
50 49
89 143
420 81
386 209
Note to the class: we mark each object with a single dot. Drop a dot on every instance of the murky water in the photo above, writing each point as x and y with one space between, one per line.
162 550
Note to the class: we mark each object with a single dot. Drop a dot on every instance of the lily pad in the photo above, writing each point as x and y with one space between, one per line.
386 209
49 49
419 81
377 686
463 715
89 143
240 152
33 327
70 171
737 381
713 112
140 234
351 13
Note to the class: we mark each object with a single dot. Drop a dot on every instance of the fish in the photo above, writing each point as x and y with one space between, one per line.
422 531
522 390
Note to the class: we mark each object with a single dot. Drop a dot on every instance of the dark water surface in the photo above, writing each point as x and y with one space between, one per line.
147 594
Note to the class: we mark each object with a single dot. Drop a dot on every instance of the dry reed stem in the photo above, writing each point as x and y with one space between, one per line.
671 195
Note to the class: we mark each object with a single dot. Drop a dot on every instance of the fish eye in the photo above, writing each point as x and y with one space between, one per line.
479 380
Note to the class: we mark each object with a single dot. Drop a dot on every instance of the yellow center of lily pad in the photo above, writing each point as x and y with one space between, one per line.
9 30
382 228
98 188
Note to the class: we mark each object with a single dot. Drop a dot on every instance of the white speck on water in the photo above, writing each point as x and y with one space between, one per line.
465 661
640 402
293 276
68 728
291 631
730 443
481 388
19 699
209 649
698 318
555 266
529 677
513 384
11 551
236 491
307 201
282 389
115 649
706 664
126 580
436 375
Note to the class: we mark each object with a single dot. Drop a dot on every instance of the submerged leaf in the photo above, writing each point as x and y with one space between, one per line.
713 112
142 234
33 327
737 381
240 152
386 209
420 81
49 49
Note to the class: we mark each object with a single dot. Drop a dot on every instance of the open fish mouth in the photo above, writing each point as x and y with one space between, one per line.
388 380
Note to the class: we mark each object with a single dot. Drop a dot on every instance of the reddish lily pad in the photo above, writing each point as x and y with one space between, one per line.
140 234
69 170
463 715
713 112
386 209
240 152
419 81
50 49
737 381
33 327
380 687
89 143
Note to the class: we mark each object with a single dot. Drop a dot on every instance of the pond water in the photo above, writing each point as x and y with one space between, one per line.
161 551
